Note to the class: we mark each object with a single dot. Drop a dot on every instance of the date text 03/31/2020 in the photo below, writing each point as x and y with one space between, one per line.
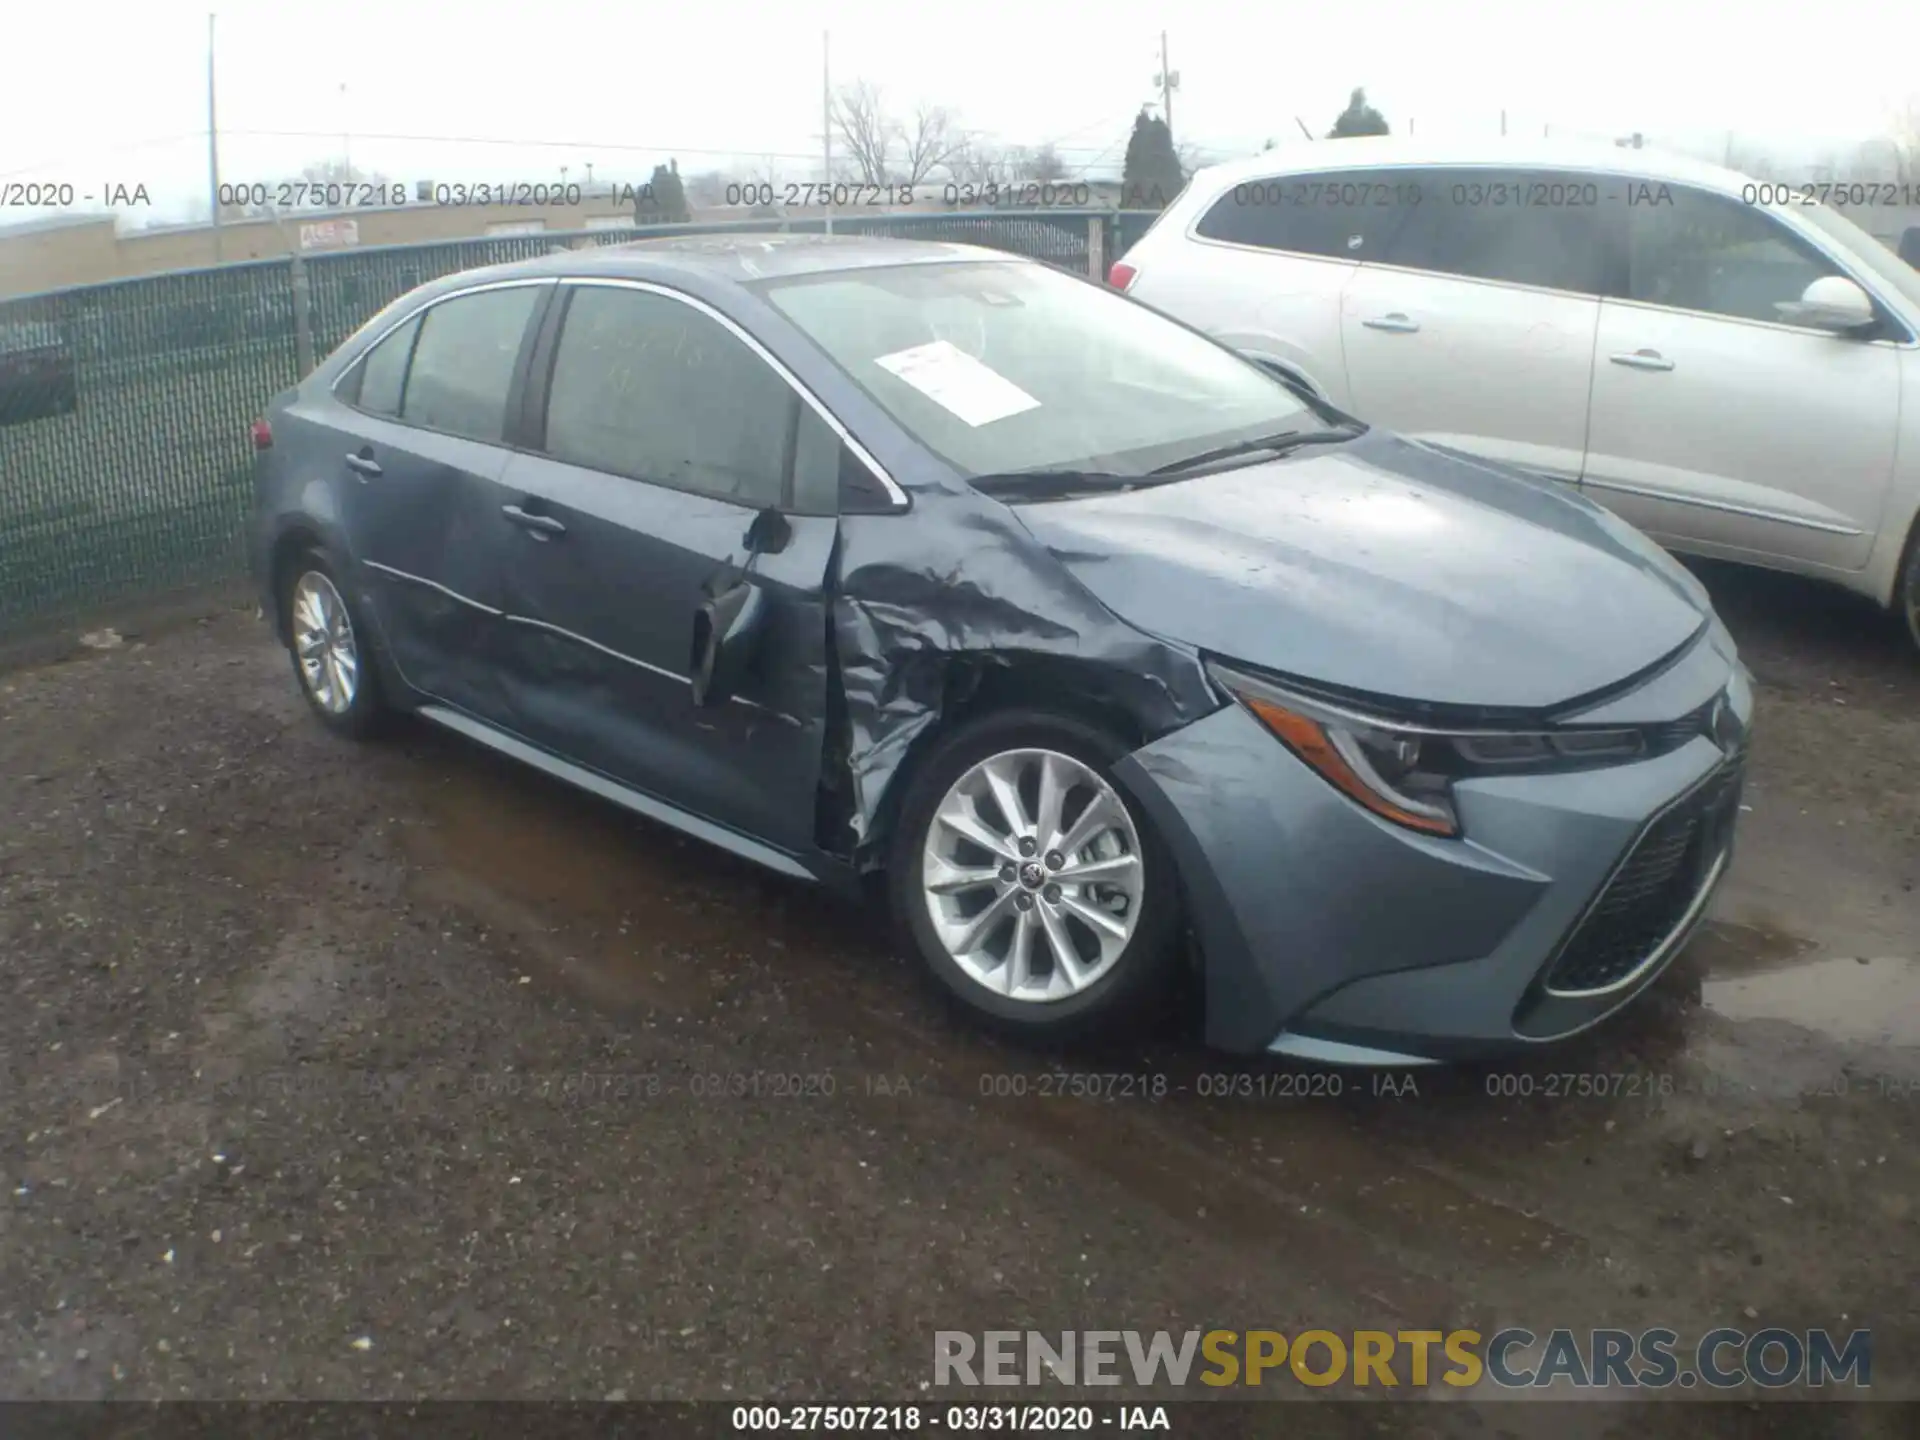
963 1419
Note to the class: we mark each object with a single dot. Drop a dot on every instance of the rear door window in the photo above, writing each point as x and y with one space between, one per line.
464 362
1548 229
1340 214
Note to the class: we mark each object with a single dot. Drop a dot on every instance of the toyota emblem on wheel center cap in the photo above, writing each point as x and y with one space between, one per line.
1031 874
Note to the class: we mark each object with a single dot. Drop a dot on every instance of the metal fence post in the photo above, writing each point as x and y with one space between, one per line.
302 317
1097 246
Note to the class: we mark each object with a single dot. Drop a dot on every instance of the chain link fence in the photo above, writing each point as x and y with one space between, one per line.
125 459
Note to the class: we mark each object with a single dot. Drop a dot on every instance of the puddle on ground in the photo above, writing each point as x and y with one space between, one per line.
1724 949
622 910
1760 971
1873 1001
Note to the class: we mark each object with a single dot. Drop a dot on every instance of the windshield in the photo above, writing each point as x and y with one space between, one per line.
1871 253
1003 367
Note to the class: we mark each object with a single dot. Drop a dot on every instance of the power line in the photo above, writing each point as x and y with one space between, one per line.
652 149
46 165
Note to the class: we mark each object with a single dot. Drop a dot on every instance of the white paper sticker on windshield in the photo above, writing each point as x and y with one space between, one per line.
953 379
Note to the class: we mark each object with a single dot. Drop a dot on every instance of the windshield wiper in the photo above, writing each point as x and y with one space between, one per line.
1277 444
1050 484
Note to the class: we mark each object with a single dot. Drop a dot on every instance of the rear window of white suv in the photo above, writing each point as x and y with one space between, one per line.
1338 214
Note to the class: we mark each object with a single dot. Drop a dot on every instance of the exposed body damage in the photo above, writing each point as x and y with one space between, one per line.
922 631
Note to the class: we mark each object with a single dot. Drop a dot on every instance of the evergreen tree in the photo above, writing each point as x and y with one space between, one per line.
664 201
1151 176
1359 118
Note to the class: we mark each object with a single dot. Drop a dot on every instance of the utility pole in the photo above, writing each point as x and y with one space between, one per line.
346 136
826 119
213 151
1168 81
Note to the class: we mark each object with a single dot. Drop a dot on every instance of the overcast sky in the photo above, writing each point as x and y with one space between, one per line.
99 93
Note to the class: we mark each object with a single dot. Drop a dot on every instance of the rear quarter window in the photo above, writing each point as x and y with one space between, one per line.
1335 215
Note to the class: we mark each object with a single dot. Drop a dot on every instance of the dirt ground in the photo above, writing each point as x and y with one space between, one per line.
401 1072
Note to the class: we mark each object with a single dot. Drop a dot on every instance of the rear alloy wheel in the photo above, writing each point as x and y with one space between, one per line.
1033 891
328 655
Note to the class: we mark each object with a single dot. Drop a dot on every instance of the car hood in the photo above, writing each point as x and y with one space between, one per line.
1387 568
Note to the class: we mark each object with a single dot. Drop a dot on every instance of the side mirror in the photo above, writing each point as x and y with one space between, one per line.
1834 303
768 534
725 631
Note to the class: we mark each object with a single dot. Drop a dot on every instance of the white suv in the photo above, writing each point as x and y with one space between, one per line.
1726 365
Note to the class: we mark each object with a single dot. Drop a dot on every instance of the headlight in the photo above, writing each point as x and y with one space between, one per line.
1405 772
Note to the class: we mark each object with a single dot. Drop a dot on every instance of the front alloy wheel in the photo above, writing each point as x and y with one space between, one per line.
1032 875
1034 891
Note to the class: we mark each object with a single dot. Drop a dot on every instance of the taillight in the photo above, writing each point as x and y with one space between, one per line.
1121 275
262 435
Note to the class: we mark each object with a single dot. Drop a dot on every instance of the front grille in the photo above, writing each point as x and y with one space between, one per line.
1651 890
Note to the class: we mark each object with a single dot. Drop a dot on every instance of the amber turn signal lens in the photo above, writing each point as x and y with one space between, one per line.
1309 740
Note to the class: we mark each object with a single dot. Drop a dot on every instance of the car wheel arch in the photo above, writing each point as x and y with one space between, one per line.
298 539
1904 602
975 687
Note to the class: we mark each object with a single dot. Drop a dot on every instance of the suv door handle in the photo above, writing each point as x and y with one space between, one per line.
541 525
1396 322
365 464
1642 360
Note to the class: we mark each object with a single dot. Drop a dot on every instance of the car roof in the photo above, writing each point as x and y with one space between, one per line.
743 258
1368 152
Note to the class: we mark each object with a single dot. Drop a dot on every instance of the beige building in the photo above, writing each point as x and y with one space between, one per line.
87 249
84 250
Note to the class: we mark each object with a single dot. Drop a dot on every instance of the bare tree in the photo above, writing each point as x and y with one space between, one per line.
975 163
1904 132
864 132
1043 165
881 150
708 188
928 143
1749 160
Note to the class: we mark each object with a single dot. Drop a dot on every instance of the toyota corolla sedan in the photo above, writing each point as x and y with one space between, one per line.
867 558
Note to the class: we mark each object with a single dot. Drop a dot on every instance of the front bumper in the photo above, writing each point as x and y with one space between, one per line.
1332 935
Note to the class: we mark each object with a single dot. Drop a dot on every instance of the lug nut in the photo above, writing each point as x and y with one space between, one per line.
1055 859
1008 874
1027 847
1052 892
1023 900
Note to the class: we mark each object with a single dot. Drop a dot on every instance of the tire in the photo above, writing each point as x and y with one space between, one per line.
347 699
1906 589
1103 990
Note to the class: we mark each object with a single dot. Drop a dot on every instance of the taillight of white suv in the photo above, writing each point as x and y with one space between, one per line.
1122 276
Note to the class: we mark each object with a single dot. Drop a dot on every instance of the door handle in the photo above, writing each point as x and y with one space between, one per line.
1396 323
541 525
365 464
1642 360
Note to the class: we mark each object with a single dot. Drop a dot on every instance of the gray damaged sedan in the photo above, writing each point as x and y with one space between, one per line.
864 557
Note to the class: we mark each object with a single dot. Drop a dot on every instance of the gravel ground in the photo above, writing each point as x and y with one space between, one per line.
396 1071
